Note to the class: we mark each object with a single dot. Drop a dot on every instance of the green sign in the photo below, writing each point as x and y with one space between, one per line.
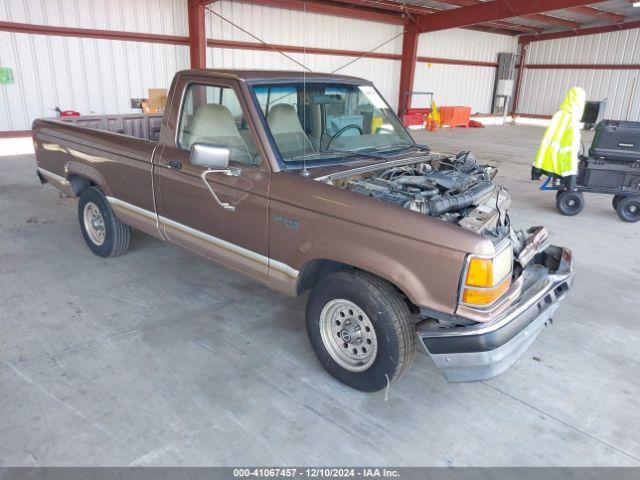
6 76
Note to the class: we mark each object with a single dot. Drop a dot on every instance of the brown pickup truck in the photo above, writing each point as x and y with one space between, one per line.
311 183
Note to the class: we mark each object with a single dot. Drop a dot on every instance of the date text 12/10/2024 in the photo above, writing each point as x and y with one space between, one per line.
316 472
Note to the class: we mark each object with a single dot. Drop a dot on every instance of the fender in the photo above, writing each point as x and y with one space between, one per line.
418 279
73 167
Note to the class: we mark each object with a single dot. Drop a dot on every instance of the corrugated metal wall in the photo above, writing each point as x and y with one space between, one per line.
287 27
542 90
384 73
453 84
463 44
460 84
167 17
88 75
92 75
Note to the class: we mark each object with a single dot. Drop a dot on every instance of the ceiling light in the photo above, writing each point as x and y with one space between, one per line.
636 4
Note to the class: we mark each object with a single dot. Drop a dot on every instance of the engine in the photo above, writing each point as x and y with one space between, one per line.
455 189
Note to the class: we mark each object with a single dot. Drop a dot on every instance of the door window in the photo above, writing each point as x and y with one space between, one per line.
212 114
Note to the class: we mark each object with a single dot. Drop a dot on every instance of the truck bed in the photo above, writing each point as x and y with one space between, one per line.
114 152
145 126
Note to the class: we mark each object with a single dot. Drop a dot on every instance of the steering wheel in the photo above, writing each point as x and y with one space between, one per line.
342 130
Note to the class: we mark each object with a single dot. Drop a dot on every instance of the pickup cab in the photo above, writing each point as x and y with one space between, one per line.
310 183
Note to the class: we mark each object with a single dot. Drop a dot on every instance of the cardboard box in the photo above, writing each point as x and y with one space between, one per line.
157 99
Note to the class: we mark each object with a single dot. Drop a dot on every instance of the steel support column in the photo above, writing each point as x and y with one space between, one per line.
197 35
524 46
408 65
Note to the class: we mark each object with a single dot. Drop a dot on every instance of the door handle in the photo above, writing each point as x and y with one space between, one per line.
175 164
203 176
229 172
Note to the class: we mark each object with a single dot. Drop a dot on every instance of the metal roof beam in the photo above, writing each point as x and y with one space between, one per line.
580 32
516 27
415 10
536 17
549 20
390 5
491 11
600 14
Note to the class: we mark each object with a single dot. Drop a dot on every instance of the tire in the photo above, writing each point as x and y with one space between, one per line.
570 202
629 209
379 345
616 200
105 235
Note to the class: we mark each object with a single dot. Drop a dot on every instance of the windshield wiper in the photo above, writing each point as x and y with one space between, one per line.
338 154
364 152
356 153
399 146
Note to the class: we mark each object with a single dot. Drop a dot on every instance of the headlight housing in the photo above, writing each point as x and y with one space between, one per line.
487 279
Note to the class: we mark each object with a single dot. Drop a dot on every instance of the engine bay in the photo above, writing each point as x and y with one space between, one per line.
453 188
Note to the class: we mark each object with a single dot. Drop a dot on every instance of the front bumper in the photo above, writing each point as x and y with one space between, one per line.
486 350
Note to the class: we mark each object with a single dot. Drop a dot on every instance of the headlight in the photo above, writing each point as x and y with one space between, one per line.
487 279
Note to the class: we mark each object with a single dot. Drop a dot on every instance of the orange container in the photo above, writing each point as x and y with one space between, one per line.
410 119
423 111
455 116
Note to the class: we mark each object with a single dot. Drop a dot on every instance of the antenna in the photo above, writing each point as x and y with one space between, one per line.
305 172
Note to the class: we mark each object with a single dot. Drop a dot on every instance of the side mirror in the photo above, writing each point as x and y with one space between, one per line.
211 156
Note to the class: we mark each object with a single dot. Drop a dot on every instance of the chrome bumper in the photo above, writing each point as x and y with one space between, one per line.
486 350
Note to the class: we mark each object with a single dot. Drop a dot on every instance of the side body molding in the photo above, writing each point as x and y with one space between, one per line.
281 277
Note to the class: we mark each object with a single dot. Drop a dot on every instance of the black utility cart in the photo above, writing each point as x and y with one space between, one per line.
612 167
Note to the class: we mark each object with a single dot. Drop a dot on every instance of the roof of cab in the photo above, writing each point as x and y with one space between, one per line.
257 75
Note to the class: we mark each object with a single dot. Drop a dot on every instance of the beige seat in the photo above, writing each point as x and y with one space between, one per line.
287 132
213 123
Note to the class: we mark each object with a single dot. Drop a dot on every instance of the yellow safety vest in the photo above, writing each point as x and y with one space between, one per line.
557 155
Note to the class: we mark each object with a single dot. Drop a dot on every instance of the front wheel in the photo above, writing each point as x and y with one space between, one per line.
570 202
104 234
616 200
361 329
629 209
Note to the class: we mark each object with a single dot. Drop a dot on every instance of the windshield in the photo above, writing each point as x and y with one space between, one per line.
319 121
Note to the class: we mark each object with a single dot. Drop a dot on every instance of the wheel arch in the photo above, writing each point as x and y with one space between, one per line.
81 177
315 270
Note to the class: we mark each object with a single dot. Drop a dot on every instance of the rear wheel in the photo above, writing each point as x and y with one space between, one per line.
361 329
104 234
629 209
570 202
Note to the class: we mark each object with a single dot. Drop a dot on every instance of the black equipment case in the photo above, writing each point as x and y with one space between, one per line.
612 167
601 176
616 141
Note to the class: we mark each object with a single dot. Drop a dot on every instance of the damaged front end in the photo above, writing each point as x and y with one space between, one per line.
453 188
504 298
483 344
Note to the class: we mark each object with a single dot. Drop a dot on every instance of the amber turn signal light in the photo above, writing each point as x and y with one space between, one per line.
485 296
487 279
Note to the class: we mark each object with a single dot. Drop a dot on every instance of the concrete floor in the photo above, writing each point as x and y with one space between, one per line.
161 358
